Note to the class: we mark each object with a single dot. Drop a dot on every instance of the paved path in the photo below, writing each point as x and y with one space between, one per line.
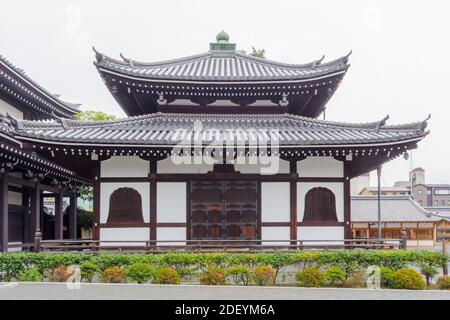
58 291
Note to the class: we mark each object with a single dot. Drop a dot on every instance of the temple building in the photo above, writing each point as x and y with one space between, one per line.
216 146
26 177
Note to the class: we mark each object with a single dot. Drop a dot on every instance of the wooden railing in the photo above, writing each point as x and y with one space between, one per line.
161 246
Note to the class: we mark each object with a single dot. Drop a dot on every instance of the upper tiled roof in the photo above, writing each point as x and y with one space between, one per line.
393 209
13 75
170 129
217 65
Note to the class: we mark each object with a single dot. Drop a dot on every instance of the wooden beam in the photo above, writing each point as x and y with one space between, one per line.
59 211
153 196
4 213
293 199
35 209
96 202
73 216
347 203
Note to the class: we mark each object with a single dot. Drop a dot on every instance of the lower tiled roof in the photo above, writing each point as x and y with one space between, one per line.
393 209
172 129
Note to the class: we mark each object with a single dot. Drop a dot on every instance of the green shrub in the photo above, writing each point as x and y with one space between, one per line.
386 277
113 275
166 276
263 276
239 273
140 272
429 272
310 277
88 271
188 263
334 276
408 279
443 283
60 274
356 280
30 275
212 276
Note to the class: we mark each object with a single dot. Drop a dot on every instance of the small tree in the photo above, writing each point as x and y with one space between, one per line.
334 276
429 272
140 272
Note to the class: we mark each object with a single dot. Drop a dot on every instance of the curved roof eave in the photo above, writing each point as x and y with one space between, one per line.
70 107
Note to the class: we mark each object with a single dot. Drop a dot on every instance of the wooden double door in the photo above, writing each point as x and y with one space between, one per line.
224 210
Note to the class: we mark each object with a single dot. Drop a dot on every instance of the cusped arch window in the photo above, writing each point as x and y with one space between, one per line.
125 206
320 206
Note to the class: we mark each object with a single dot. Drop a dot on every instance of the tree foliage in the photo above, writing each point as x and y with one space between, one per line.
93 115
258 53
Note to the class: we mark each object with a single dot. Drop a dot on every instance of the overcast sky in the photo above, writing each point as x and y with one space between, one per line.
399 66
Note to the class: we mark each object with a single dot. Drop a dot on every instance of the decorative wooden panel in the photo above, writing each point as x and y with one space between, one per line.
125 206
320 205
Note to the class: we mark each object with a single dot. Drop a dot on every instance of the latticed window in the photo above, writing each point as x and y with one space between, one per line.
320 205
125 206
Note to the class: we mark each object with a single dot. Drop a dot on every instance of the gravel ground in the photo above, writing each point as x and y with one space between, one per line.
60 291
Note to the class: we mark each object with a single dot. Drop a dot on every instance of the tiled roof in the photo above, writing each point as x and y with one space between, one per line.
171 129
222 66
10 73
393 209
443 212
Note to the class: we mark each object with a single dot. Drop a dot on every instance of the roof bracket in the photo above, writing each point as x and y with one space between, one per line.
59 120
129 61
98 56
345 58
317 62
161 101
17 124
284 101
424 123
381 123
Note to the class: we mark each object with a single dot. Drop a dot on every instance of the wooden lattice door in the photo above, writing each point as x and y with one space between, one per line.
224 210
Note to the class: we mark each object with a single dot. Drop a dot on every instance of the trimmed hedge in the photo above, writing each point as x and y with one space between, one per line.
350 261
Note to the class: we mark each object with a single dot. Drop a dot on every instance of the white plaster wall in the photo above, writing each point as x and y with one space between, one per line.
275 233
171 202
106 188
124 234
336 187
320 233
7 108
275 202
419 243
171 234
19 249
320 167
261 165
169 166
14 198
124 166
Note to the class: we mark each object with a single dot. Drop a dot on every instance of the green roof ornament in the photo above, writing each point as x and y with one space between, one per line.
222 43
222 36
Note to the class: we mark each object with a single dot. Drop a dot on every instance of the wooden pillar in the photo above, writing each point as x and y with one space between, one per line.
153 195
59 214
35 214
293 201
347 204
73 216
96 202
27 238
4 212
